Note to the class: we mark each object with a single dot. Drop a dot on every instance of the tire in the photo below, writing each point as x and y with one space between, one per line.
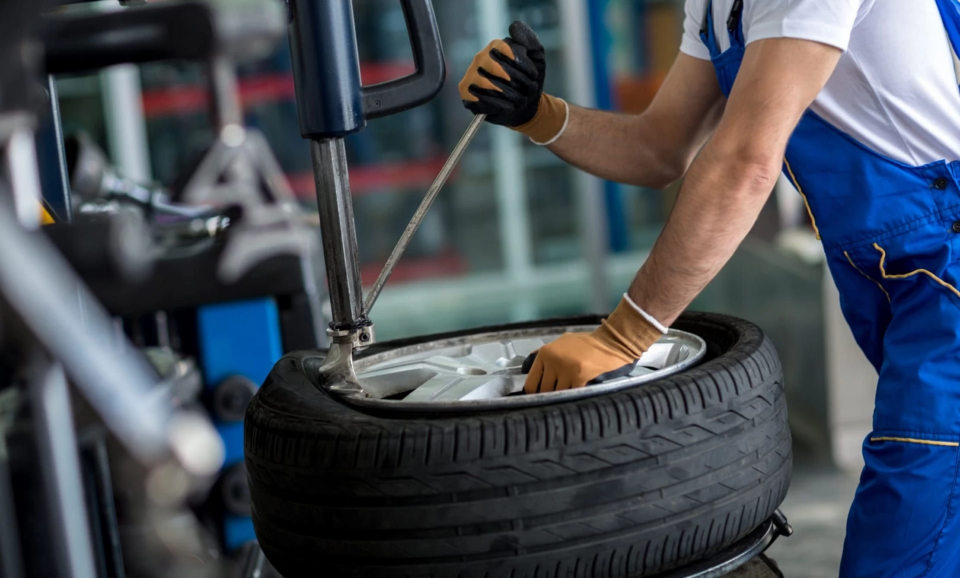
630 484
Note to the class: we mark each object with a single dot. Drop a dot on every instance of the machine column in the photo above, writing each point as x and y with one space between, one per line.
338 233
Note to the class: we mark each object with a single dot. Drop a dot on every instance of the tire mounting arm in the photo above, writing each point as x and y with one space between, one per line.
452 161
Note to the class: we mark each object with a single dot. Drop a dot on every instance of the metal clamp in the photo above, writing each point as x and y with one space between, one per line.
337 373
781 525
359 338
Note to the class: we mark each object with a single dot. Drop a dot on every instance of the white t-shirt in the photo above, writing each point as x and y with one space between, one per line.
895 87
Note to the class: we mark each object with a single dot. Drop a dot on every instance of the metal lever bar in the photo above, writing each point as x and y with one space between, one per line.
417 219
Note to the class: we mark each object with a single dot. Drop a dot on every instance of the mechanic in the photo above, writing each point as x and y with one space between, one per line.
857 102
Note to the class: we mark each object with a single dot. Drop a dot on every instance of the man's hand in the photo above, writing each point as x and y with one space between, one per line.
576 359
505 82
653 149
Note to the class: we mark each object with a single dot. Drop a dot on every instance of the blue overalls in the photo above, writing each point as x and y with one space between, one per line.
891 233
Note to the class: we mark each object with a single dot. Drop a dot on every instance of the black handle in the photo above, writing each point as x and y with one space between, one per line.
402 94
186 30
80 43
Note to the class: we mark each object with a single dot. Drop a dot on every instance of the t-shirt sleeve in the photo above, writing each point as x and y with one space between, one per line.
827 21
692 44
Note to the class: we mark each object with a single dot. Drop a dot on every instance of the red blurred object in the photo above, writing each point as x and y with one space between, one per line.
447 264
634 93
255 90
371 178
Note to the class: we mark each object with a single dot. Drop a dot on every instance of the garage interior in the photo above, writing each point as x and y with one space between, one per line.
218 225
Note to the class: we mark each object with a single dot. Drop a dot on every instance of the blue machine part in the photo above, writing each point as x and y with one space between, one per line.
51 159
323 39
238 339
237 531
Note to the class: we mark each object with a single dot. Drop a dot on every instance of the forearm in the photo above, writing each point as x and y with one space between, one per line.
655 148
618 147
720 201
730 181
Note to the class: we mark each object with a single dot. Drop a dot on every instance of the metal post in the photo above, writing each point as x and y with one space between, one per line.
506 152
510 183
594 238
57 446
125 122
225 106
98 484
338 233
11 552
21 166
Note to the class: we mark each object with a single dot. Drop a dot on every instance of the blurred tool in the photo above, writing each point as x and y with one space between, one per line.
95 182
131 242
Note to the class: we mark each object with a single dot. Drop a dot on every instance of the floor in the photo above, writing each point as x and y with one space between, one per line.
816 507
756 568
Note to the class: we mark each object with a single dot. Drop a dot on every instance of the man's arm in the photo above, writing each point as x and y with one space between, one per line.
655 148
505 82
731 179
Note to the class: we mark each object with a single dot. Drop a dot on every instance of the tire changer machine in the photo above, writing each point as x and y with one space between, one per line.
332 103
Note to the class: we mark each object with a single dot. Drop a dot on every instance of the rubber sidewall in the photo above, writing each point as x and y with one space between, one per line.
633 483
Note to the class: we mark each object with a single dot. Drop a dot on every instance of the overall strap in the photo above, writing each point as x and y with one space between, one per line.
708 32
950 13
735 25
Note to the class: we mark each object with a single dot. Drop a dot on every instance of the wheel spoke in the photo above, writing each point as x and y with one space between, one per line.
661 355
444 389
641 371
488 368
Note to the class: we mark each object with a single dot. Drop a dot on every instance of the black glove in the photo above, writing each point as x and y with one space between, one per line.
505 80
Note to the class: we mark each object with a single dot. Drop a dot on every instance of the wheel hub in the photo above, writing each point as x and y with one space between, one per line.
485 370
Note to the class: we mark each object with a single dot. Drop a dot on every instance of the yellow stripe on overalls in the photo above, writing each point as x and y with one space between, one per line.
938 280
916 441
796 184
854 265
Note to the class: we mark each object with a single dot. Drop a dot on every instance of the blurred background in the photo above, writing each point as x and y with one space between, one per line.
517 234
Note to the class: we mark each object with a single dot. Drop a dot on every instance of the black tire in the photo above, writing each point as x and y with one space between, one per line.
625 485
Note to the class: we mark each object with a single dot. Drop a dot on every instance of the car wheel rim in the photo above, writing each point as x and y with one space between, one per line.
483 371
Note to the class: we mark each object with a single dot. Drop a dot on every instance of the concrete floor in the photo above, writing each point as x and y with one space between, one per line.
816 506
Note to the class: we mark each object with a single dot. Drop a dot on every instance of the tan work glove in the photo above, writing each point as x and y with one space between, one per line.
505 82
576 359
